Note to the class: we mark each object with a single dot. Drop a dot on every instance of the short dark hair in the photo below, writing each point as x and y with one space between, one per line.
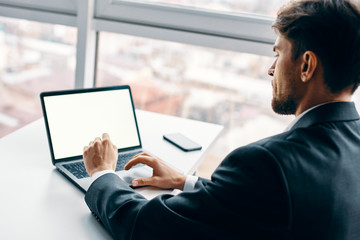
329 28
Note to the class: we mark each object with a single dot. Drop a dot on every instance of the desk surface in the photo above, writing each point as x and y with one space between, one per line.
37 202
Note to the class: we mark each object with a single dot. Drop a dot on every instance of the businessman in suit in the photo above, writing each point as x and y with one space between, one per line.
303 183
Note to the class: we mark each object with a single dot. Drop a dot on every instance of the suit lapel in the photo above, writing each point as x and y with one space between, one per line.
330 112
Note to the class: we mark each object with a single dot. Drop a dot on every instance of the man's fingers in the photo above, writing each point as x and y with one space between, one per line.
144 182
142 154
106 141
97 146
132 163
105 136
144 159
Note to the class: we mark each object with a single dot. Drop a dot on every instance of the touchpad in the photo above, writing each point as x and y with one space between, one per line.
138 171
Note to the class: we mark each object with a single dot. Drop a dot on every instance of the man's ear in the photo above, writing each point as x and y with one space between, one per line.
309 64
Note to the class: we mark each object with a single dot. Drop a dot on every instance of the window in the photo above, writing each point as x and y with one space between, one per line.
199 83
34 57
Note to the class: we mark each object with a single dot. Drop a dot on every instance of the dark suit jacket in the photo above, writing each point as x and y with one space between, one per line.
301 184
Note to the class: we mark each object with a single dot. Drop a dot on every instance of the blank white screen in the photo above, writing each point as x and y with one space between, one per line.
76 119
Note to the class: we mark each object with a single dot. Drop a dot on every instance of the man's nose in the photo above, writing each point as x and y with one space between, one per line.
271 71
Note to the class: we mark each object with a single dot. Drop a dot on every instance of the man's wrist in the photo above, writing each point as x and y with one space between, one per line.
100 168
180 182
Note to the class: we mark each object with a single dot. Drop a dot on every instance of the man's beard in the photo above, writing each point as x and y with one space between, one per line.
284 106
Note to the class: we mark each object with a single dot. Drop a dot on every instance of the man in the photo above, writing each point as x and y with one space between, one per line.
301 184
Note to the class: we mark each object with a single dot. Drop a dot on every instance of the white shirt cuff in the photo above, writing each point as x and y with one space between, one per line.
100 173
190 182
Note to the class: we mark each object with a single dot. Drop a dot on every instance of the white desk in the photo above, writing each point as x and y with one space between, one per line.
37 202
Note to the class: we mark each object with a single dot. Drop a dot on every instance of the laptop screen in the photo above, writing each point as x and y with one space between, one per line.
76 117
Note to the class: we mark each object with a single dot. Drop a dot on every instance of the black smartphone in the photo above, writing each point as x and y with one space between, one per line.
182 142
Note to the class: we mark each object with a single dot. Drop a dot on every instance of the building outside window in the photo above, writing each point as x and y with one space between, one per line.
34 57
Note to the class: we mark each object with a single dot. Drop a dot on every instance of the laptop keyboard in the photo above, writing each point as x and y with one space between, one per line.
79 171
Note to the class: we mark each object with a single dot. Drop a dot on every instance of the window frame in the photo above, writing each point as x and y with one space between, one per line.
41 11
251 27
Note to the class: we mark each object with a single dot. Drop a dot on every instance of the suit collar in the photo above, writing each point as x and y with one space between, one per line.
329 112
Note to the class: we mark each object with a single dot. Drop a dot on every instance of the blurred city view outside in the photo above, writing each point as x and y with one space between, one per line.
205 84
34 57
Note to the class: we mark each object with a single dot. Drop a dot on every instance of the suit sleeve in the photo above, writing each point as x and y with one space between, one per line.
245 198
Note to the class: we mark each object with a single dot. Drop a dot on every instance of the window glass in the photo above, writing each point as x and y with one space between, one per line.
34 57
217 86
268 8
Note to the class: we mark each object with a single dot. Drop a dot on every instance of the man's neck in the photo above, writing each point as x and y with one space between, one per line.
308 103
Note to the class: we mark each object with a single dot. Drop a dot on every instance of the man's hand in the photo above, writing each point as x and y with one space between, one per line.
100 155
163 175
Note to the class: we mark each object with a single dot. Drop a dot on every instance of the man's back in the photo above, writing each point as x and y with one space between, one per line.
320 160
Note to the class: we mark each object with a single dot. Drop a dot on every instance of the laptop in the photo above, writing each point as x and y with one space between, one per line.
73 118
